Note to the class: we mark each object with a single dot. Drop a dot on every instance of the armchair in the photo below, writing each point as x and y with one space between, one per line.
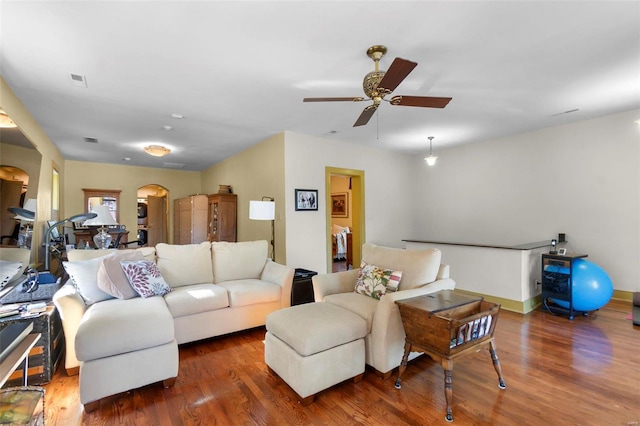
422 273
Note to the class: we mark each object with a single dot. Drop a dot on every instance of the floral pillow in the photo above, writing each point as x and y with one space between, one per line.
376 282
145 278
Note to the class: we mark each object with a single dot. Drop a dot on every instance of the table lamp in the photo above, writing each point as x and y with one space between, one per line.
102 239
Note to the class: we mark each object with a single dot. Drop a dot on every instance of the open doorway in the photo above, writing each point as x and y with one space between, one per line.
13 189
153 215
345 218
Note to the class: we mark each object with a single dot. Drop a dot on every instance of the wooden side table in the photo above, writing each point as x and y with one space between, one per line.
446 325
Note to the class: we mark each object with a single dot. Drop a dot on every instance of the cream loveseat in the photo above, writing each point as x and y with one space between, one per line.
422 273
125 342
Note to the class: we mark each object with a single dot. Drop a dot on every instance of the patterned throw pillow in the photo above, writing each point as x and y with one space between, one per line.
376 282
145 278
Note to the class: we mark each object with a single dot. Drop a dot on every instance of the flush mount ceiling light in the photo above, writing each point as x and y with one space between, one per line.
156 150
431 159
5 121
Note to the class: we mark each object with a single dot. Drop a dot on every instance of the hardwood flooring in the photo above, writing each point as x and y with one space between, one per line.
558 372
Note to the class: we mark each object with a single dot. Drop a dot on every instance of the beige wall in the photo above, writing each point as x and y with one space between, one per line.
10 103
386 193
581 179
127 179
252 174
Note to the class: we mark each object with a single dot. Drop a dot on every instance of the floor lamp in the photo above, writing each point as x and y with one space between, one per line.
265 210
47 236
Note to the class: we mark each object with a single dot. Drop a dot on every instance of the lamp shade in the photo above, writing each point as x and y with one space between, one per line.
262 210
27 212
103 218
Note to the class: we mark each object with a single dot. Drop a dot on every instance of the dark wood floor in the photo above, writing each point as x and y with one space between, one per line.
558 372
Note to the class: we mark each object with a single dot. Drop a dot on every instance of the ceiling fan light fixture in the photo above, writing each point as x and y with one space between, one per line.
5 121
157 150
431 159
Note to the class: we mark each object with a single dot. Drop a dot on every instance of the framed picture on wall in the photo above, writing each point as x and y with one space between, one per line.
306 199
340 205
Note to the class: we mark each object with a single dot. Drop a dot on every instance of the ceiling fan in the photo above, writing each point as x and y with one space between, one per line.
378 84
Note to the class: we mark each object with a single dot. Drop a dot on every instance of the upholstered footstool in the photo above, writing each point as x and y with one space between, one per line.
315 346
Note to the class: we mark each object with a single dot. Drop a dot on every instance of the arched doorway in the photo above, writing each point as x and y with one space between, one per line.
153 215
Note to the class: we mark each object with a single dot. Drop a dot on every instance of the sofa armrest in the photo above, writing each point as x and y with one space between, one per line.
443 272
387 331
71 308
283 276
337 282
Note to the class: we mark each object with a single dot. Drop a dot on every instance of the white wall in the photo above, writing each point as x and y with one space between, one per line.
387 196
582 179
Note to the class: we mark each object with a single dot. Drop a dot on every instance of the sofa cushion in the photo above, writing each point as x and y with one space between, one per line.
418 267
238 261
84 274
363 306
185 264
118 326
145 277
376 282
111 277
193 299
250 292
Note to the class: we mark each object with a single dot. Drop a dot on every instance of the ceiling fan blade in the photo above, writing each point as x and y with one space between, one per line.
351 99
366 115
420 101
398 71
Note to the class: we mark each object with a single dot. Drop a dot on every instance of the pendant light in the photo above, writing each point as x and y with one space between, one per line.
431 159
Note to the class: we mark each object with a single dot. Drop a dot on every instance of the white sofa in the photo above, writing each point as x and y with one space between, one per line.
422 273
121 344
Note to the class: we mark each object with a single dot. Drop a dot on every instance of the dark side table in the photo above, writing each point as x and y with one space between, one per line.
302 287
48 351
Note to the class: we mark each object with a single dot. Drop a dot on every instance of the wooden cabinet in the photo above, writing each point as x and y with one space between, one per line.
190 219
222 217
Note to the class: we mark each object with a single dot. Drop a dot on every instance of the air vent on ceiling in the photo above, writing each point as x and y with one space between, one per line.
78 80
173 165
91 140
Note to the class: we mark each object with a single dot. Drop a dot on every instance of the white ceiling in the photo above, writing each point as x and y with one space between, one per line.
238 71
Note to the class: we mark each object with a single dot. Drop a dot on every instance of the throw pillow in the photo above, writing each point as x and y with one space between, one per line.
145 278
8 271
111 277
376 282
84 274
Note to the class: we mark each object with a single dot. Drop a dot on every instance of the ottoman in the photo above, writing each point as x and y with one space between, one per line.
315 346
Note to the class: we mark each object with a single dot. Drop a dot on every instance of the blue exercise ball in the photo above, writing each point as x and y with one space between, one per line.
591 287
